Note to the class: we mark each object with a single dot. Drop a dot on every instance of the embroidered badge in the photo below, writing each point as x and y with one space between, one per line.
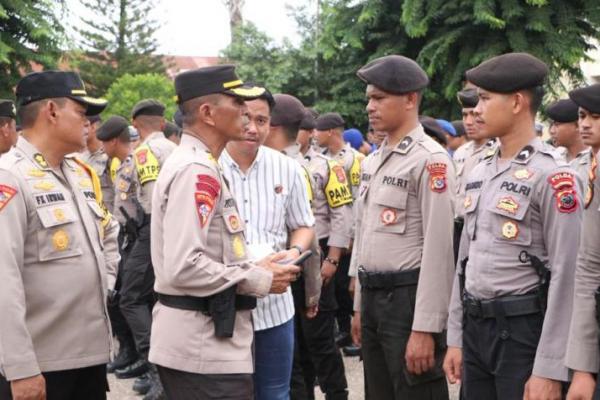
467 202
85 183
510 230
237 245
36 173
339 172
234 222
6 194
437 174
563 184
209 185
40 160
59 214
44 185
388 216
60 240
142 156
123 196
523 174
508 204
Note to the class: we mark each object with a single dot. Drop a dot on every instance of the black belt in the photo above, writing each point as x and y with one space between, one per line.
387 280
202 304
509 306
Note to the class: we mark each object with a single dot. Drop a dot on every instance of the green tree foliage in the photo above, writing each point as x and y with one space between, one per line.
126 91
29 32
117 40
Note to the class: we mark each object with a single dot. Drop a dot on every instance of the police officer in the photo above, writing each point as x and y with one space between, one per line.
403 243
8 130
95 156
508 324
172 132
565 133
468 156
583 355
317 355
59 248
137 297
204 281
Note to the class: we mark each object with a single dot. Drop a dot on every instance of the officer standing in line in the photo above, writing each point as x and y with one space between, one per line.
583 355
137 296
205 284
468 156
565 133
8 130
332 206
306 133
59 248
511 301
403 245
116 141
95 156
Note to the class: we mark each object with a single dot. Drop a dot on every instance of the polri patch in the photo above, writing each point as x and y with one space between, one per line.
6 194
437 177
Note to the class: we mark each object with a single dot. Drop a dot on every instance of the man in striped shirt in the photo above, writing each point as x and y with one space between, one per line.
270 193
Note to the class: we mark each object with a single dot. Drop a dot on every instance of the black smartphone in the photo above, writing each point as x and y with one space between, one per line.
301 258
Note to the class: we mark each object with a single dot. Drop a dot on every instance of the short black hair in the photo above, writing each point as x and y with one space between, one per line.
291 131
28 113
536 95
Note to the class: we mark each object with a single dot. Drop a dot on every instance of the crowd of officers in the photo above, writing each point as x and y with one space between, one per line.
480 267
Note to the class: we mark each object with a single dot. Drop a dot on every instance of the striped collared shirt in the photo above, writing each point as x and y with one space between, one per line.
272 199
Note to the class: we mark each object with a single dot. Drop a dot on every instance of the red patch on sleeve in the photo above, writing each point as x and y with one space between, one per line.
6 194
563 184
207 190
437 177
142 156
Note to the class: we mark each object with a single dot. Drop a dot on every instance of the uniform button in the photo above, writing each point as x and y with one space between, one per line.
246 221
245 201
504 334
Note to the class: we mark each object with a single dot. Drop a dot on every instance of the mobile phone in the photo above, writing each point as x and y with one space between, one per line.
301 258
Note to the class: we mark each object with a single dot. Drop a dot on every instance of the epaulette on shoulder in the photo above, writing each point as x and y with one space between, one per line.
555 154
431 146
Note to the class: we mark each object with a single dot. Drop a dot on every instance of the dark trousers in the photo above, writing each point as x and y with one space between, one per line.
180 385
498 357
118 322
386 323
74 384
317 356
137 295
342 295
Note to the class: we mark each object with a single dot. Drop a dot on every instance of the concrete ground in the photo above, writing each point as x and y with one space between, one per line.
121 389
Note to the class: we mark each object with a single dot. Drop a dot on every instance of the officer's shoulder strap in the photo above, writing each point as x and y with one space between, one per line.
431 145
554 154
10 159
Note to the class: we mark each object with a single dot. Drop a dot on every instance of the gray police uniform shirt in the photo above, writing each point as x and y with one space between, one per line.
582 348
126 191
149 156
58 263
581 163
532 203
406 222
99 160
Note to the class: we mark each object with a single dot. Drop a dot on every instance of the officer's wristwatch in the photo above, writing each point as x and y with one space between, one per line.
297 248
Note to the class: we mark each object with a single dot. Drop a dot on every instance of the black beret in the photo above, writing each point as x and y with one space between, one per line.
509 73
7 109
394 74
459 126
171 129
587 97
468 98
288 110
148 107
565 110
308 122
114 127
329 121
50 84
433 129
178 118
209 80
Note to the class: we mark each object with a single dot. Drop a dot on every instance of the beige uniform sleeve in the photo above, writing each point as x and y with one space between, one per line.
561 235
353 269
582 348
111 251
437 269
455 312
186 267
16 346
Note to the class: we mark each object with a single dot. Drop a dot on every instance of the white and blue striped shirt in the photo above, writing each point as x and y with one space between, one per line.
271 198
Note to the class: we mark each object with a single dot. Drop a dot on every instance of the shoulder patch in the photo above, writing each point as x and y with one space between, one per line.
207 190
563 184
6 195
337 190
146 163
437 177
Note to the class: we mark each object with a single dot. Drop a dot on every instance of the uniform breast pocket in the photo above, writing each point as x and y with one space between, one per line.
391 204
57 239
98 215
234 244
470 203
511 221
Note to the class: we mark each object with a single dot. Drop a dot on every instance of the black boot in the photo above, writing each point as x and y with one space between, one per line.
142 384
127 356
156 391
132 371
